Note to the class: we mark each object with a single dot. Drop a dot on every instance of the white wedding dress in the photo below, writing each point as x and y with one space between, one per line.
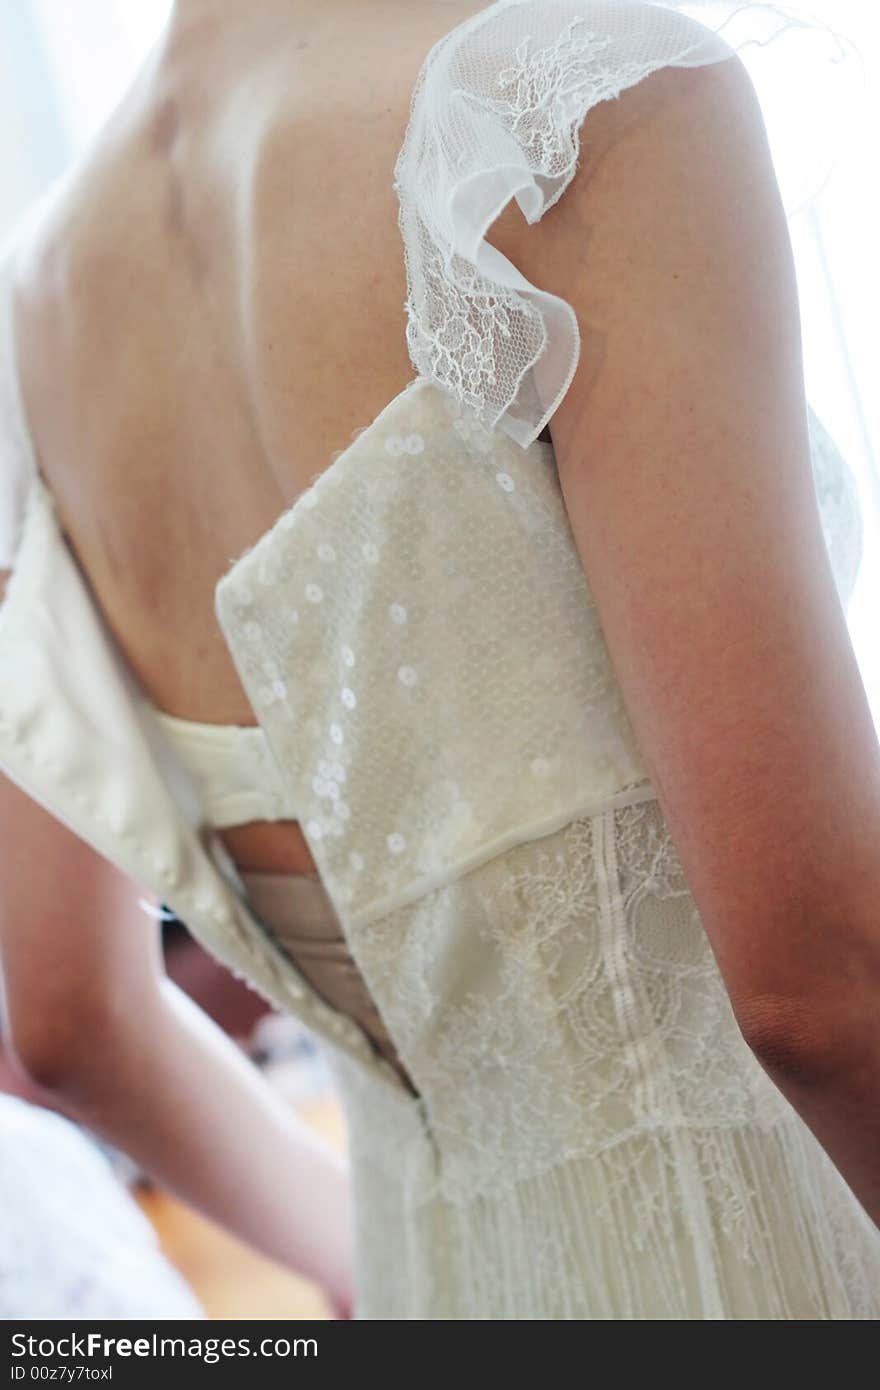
587 1134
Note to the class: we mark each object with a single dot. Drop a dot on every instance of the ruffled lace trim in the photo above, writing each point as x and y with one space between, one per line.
496 114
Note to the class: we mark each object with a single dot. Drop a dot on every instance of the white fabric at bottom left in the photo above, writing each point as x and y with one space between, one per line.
73 1242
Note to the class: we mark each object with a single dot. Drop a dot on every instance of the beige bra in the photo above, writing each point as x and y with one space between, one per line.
239 782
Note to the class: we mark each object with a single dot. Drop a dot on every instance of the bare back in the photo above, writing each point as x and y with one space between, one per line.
214 305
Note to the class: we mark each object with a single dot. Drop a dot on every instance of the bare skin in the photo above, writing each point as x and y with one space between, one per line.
199 328
218 304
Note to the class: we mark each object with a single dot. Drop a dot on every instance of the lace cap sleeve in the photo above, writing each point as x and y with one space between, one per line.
496 114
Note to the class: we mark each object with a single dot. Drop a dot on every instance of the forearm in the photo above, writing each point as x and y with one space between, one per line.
178 1096
835 1087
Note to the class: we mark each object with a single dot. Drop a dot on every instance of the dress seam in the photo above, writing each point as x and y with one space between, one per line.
613 928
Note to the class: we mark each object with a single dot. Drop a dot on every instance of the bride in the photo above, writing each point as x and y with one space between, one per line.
413 522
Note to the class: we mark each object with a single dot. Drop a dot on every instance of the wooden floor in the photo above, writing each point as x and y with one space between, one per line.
230 1279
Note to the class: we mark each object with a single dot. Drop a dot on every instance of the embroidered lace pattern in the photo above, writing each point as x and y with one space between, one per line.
419 641
496 114
590 1137
589 1105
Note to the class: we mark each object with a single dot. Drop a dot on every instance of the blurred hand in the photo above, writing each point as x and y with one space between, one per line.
341 1310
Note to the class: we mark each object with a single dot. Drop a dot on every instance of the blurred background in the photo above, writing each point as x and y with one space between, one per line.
63 66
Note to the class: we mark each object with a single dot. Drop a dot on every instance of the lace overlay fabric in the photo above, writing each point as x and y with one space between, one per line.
590 1134
496 115
579 956
597 1138
422 603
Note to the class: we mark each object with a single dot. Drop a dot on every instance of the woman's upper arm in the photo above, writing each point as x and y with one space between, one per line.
683 457
79 957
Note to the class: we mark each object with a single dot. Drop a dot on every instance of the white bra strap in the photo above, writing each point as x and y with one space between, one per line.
233 768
